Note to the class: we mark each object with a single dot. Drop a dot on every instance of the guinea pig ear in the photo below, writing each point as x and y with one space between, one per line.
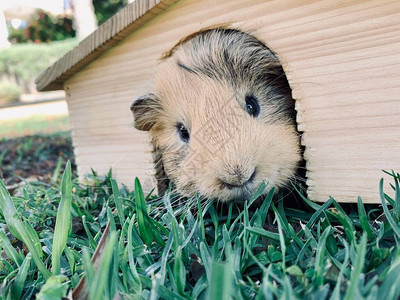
145 110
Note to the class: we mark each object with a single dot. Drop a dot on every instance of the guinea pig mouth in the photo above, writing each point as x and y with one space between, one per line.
231 186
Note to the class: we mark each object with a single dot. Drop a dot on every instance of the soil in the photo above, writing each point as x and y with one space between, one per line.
34 158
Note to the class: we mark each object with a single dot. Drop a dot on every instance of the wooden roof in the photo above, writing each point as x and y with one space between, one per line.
106 36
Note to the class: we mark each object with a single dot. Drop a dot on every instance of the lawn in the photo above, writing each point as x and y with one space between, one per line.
174 248
33 125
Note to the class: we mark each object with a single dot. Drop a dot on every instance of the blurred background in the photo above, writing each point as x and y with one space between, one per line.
33 35
34 127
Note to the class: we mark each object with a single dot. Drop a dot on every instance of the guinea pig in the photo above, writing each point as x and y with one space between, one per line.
221 117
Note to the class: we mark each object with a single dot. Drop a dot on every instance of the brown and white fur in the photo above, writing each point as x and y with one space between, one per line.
205 84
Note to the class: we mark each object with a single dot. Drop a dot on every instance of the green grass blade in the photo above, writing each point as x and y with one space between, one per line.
229 218
321 208
137 242
343 218
136 284
281 240
388 215
161 275
303 251
88 267
71 259
174 230
114 271
288 292
287 227
118 201
358 265
179 272
319 260
32 235
55 288
390 288
10 250
227 242
309 236
200 218
63 220
263 232
396 197
258 192
221 287
9 212
206 259
200 287
336 291
99 287
312 204
156 230
364 219
57 170
2 155
18 228
161 291
190 235
19 283
88 233
263 210
144 231
251 255
110 218
268 288
164 259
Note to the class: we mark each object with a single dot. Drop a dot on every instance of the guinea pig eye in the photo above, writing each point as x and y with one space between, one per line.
183 132
252 106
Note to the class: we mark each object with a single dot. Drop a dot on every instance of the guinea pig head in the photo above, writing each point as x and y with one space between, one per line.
221 115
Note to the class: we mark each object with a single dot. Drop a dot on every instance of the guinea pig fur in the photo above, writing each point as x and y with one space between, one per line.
221 117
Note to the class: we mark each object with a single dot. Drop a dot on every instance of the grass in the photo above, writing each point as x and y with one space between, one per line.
33 125
163 248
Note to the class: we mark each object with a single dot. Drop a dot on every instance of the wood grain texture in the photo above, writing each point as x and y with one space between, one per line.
342 59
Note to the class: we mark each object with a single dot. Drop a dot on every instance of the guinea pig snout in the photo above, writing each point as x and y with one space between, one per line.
237 177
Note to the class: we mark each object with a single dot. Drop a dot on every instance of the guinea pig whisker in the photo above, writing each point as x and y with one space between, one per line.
296 178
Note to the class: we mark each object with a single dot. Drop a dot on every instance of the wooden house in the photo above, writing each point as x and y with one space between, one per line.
342 59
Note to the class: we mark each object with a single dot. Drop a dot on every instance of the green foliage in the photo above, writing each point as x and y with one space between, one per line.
9 92
169 249
25 62
106 9
21 230
55 288
43 27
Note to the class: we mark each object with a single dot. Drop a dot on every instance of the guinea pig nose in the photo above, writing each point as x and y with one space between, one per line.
235 183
